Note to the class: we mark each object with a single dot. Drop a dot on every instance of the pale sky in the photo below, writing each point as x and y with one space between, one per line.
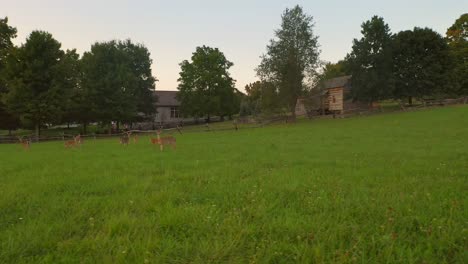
172 29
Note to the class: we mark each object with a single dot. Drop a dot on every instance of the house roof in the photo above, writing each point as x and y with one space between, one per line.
167 98
337 82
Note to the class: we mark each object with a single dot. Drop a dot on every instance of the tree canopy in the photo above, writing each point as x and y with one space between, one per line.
292 57
421 63
262 97
117 81
205 84
35 80
370 62
7 33
457 38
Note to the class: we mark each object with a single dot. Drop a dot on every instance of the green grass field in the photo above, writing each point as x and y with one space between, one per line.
390 188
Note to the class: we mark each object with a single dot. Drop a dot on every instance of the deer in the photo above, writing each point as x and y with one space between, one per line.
70 144
73 143
78 139
125 138
161 141
25 143
135 138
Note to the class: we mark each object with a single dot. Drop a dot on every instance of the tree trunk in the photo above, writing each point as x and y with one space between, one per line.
68 125
208 118
410 101
222 118
117 126
9 131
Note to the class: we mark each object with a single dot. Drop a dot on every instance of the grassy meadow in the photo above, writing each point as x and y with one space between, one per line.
389 188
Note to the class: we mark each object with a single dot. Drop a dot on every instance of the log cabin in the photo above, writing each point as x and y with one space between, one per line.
333 98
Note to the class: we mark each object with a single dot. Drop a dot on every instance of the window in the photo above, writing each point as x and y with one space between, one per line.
174 112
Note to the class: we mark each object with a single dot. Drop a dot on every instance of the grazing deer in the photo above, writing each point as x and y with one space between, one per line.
70 144
73 143
161 141
125 138
25 143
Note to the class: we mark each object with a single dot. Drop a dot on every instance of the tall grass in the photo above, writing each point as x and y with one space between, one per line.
381 189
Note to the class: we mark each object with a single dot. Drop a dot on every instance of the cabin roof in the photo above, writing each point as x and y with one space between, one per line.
337 82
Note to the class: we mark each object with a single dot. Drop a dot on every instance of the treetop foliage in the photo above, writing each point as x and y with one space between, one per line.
291 57
205 84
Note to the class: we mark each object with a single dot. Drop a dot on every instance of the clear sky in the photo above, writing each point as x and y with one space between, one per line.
171 29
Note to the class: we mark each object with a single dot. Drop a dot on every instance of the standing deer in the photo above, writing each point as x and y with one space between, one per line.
135 138
25 143
125 138
78 140
161 141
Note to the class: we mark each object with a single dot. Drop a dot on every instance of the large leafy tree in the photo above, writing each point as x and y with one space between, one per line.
205 85
421 63
370 62
292 57
35 80
117 84
7 33
71 68
457 37
263 97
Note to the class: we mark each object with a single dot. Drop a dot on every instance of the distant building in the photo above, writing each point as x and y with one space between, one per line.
168 108
332 99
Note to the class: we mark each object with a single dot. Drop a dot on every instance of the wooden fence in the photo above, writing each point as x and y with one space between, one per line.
236 124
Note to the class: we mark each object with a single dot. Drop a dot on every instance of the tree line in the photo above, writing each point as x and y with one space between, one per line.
40 83
417 63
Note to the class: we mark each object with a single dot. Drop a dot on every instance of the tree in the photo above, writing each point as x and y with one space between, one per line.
7 33
263 97
370 62
421 63
71 68
457 38
35 80
117 84
292 57
329 71
205 85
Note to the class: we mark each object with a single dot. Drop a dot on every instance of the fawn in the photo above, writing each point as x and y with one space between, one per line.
25 143
161 141
73 143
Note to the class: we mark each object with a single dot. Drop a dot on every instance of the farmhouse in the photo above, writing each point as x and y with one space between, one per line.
167 108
